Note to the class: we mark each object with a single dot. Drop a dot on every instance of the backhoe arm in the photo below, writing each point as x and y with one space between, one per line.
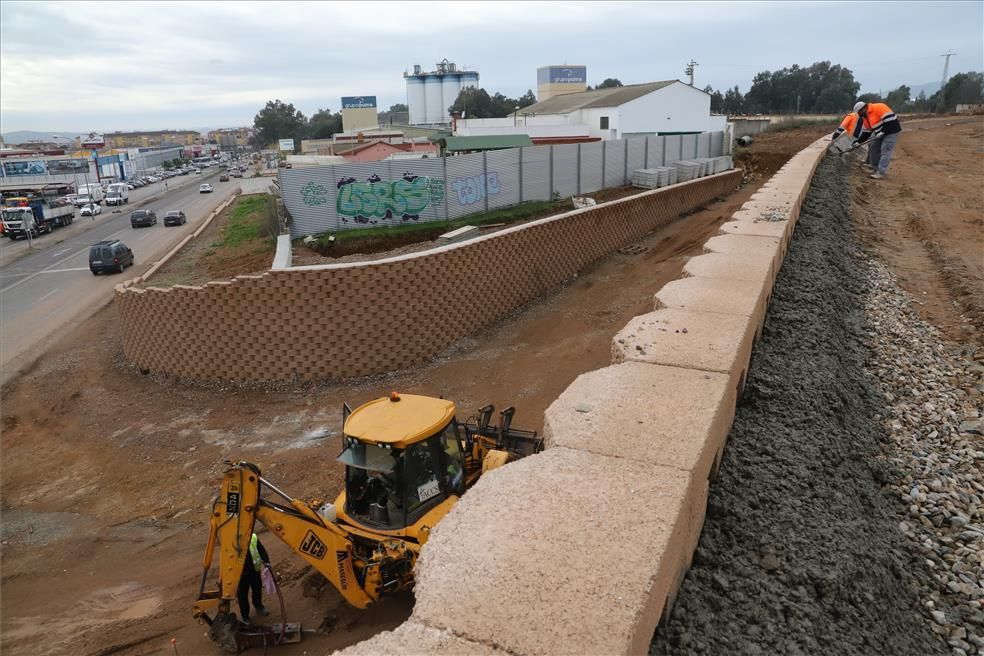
321 543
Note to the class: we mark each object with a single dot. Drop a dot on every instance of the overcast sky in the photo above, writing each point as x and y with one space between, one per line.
129 65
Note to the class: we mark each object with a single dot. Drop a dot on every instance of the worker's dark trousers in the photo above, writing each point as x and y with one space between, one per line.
250 581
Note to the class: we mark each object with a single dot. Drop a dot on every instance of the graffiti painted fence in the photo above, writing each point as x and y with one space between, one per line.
351 196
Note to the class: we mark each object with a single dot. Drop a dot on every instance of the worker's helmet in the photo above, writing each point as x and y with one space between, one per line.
858 106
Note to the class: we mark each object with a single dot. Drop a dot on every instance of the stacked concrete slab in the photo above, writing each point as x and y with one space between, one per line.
582 548
654 178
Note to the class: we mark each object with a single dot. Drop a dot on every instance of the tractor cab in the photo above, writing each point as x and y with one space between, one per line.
406 456
403 457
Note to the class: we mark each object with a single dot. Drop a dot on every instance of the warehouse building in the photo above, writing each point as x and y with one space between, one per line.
654 108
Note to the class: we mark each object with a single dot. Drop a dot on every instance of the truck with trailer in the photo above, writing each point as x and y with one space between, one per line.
23 215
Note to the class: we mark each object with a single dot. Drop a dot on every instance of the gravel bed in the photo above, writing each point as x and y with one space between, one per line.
802 551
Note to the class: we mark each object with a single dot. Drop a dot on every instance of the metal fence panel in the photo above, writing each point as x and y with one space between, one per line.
637 155
347 196
591 163
536 173
502 177
614 163
466 185
655 147
704 144
689 146
565 164
717 144
673 153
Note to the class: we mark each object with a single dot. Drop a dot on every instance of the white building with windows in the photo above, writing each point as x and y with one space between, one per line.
654 108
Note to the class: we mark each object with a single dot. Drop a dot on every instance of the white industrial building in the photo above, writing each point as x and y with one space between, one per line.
429 94
654 108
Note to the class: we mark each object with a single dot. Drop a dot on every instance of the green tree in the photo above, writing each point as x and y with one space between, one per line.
323 124
822 87
610 82
527 99
734 102
921 103
961 89
717 99
899 99
278 120
475 102
869 97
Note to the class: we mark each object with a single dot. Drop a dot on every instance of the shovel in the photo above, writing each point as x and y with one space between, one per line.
862 143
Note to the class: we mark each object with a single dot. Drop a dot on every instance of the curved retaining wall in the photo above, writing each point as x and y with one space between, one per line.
333 321
582 548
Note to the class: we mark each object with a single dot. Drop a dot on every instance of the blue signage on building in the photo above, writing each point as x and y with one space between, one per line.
562 75
358 102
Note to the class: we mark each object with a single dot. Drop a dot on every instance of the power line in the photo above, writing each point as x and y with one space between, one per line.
946 66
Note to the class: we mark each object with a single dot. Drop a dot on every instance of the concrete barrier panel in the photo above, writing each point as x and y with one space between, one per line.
565 552
694 340
713 295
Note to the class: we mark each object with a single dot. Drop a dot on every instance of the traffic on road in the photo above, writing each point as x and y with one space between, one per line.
47 289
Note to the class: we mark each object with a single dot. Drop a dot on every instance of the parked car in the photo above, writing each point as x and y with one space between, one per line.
223 178
143 218
90 210
205 189
175 217
237 174
198 171
109 256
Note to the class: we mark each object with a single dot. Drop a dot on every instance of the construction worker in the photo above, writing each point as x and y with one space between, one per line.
850 124
256 560
884 126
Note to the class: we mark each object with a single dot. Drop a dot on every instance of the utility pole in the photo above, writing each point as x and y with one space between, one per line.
689 70
946 66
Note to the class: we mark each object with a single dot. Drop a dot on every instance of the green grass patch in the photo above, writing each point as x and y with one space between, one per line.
247 220
429 229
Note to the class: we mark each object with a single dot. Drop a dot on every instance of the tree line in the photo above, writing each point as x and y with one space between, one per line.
831 89
822 88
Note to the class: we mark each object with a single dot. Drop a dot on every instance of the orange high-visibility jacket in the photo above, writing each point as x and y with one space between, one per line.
850 124
880 117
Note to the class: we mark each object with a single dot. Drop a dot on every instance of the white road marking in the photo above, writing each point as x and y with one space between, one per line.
47 295
59 252
64 270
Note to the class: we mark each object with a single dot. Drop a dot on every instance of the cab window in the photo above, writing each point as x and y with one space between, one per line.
454 462
425 485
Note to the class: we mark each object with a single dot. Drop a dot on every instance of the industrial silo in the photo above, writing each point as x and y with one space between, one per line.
434 99
416 101
429 94
450 86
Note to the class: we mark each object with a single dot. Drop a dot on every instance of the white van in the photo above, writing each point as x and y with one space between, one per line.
118 194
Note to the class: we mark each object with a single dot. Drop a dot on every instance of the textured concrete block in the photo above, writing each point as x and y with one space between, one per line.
713 295
753 267
659 415
415 638
781 230
772 247
708 341
565 552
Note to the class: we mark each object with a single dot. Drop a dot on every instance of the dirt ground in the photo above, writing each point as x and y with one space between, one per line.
107 474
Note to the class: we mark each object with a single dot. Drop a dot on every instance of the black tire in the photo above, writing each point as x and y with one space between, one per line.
121 268
94 272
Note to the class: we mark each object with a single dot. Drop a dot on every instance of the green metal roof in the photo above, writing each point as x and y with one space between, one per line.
490 142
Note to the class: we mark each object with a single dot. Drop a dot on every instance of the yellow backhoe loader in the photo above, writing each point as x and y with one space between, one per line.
407 462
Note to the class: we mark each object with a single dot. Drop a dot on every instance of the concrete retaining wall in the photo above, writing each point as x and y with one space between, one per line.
342 320
582 548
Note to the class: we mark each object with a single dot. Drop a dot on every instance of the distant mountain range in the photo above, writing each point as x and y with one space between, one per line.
23 136
929 88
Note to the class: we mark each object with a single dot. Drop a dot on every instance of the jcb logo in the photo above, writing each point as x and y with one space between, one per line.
313 546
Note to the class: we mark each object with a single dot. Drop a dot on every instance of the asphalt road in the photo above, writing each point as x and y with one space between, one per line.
44 293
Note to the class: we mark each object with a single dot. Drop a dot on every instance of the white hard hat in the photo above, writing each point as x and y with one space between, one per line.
858 106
